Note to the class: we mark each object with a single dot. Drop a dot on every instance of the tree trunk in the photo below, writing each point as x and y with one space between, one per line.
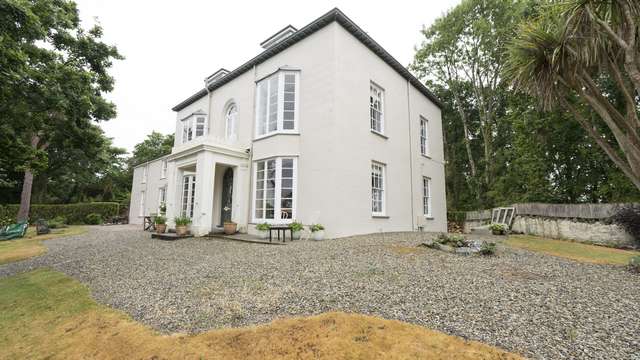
27 185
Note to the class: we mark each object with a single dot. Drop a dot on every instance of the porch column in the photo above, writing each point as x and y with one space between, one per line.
172 199
241 195
203 207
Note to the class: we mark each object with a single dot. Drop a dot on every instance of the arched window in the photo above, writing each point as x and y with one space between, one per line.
231 121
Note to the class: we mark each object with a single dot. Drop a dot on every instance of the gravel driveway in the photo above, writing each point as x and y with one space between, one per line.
536 305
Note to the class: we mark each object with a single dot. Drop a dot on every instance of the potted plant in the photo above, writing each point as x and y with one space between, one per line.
230 227
318 231
182 223
296 228
498 229
262 229
161 224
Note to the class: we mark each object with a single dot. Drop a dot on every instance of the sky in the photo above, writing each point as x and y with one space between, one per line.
170 46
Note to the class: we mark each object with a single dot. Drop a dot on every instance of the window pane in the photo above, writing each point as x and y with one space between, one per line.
262 104
288 115
286 193
287 183
286 203
286 173
273 103
287 163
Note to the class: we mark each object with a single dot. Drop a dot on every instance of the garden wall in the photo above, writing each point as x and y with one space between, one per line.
579 222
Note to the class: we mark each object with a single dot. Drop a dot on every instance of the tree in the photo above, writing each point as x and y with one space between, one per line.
51 83
463 52
154 146
583 56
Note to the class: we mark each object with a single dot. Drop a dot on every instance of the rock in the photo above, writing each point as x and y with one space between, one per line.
466 250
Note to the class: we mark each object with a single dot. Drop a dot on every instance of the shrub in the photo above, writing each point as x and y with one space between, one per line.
182 221
451 240
296 226
93 219
57 222
160 220
73 213
634 264
498 229
628 218
456 216
5 220
316 227
487 248
263 227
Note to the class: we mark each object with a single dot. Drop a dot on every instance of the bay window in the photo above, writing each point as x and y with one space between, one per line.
194 126
277 103
274 190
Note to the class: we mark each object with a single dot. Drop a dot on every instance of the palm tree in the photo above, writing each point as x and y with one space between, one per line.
583 56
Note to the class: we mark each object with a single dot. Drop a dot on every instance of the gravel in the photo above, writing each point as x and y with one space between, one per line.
539 306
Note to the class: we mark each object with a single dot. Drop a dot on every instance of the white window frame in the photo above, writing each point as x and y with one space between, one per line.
144 174
280 101
190 126
383 189
424 136
277 218
163 169
426 197
187 201
142 201
373 87
231 130
162 197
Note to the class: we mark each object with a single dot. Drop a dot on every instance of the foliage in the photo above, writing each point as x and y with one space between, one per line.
634 264
583 57
498 229
5 220
73 213
316 227
93 219
296 226
57 222
182 220
451 240
456 216
154 146
263 227
160 220
487 248
628 217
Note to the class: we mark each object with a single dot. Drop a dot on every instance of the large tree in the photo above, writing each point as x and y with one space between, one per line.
52 80
583 56
153 147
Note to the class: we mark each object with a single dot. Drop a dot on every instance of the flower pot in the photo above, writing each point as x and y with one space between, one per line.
497 232
263 234
318 235
295 235
181 230
161 228
230 228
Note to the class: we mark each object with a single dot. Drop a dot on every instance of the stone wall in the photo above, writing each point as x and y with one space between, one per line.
595 232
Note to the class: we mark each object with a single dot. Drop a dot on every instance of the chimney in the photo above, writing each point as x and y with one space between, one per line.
215 76
278 37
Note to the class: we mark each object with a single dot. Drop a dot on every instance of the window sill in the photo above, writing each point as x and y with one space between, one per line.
428 217
276 133
379 134
380 216
426 156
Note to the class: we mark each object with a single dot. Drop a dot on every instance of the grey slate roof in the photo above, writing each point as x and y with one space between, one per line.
326 19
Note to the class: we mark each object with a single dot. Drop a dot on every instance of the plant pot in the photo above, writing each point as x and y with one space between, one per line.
318 235
230 228
295 235
181 230
161 228
263 234
497 232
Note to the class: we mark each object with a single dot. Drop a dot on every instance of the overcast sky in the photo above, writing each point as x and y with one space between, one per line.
170 46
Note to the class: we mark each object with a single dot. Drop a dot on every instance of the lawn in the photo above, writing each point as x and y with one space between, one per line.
31 244
45 314
572 250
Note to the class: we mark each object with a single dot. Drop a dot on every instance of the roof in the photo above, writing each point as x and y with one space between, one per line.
326 19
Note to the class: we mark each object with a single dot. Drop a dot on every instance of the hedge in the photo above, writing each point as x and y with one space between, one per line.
74 213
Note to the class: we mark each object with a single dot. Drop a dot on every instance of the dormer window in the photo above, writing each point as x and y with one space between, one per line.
193 126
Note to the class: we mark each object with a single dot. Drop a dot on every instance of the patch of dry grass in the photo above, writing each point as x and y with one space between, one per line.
572 250
45 314
31 245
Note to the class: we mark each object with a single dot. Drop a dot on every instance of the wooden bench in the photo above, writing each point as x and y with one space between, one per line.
277 229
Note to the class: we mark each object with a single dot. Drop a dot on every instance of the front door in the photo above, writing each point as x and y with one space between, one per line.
227 195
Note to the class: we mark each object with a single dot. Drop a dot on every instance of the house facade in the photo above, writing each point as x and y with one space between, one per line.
323 126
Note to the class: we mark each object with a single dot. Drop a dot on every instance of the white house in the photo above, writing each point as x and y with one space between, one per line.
323 126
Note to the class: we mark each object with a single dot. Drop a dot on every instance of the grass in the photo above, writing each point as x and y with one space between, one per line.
572 250
31 245
45 314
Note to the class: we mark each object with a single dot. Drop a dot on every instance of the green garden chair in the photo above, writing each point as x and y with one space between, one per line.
14 231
